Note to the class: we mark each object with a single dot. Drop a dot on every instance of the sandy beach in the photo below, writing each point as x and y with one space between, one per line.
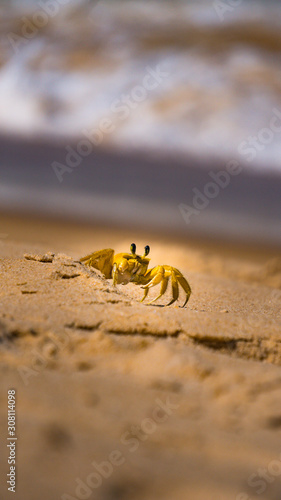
117 400
158 123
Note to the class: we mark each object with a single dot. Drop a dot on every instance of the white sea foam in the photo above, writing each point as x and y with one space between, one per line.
66 78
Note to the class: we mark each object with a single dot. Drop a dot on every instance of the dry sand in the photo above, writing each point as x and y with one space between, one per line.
189 397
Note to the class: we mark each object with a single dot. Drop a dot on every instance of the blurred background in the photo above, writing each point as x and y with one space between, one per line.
121 113
156 122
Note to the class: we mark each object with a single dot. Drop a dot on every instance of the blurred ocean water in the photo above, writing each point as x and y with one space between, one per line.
200 78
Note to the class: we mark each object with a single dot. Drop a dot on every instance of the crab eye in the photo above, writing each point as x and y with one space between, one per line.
133 248
146 250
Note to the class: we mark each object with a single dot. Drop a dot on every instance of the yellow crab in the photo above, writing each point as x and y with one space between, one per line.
127 268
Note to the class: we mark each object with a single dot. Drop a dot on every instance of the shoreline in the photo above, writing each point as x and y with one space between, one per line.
140 190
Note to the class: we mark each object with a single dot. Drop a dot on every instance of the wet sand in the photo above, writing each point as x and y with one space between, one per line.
179 403
140 190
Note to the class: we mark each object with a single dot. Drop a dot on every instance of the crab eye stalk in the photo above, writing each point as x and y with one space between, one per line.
133 248
146 250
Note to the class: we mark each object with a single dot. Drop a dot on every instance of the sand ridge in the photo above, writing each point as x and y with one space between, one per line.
90 362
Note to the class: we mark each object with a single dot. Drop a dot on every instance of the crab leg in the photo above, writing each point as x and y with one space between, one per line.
159 277
158 274
146 290
175 288
161 274
163 289
114 274
182 281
